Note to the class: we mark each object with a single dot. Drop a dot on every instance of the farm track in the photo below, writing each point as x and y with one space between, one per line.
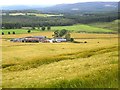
69 56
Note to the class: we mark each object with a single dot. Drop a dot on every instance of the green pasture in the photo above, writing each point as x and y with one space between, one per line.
82 28
75 28
107 25
17 31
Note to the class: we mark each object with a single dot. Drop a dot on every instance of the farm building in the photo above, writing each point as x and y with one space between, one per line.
57 40
30 39
60 40
42 39
35 39
17 40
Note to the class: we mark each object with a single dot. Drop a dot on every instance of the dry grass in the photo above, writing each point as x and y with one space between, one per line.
61 65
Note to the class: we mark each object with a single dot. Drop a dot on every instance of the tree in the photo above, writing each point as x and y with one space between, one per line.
63 32
33 27
13 32
38 27
43 28
8 32
48 27
59 34
17 25
2 33
71 39
11 25
29 31
56 34
67 36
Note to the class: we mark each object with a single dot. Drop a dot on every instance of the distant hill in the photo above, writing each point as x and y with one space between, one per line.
75 7
84 7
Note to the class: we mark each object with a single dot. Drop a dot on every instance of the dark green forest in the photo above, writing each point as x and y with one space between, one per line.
18 21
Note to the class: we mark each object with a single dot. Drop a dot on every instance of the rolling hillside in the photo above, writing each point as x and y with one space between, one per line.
107 25
84 7
83 28
88 60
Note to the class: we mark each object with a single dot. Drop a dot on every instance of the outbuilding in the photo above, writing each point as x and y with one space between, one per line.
60 40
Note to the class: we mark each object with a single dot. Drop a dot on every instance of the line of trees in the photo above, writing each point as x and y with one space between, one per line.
19 26
91 18
9 33
11 25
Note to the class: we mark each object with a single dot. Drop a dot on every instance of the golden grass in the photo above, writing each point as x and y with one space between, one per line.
84 68
60 65
74 35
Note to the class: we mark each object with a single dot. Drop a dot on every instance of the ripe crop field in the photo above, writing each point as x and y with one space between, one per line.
61 65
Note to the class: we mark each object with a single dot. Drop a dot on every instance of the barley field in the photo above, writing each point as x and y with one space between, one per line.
61 65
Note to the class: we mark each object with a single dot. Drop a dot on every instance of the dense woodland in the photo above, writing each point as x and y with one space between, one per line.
29 21
10 22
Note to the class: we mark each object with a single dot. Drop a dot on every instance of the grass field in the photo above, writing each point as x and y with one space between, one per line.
107 25
61 65
74 28
82 28
17 31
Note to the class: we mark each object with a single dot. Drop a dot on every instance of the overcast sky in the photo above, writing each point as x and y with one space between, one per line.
43 2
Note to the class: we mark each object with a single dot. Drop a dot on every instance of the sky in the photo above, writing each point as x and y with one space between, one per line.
43 2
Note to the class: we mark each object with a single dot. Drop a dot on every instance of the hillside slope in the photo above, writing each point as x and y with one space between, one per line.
85 7
83 28
79 7
107 25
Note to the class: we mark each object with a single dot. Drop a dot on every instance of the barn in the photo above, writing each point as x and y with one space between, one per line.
35 38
